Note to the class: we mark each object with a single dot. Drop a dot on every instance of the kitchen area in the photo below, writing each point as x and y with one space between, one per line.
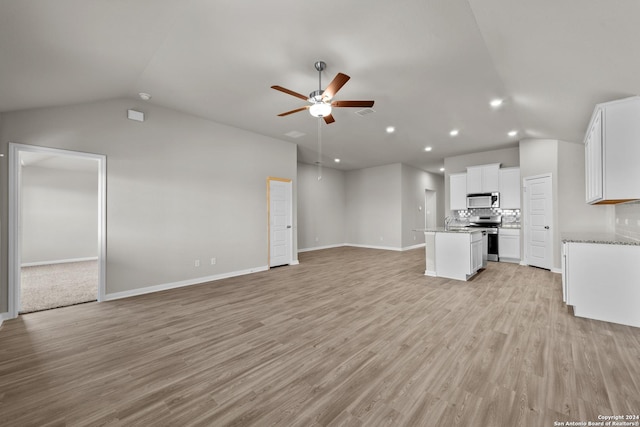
483 224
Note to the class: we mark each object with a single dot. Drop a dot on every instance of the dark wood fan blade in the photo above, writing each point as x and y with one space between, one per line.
363 104
290 92
335 85
329 119
293 111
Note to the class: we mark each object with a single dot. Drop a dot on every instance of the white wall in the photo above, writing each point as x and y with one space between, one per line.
414 184
374 207
321 207
179 188
627 220
59 214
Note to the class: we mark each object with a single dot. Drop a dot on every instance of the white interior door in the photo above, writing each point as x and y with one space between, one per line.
280 226
538 221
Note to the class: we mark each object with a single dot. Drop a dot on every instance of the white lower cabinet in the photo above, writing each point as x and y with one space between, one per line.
509 245
602 281
455 255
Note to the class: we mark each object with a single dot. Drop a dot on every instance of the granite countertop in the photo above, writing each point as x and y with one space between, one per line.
599 238
449 230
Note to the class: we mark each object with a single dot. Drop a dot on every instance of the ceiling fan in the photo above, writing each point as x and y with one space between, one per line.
321 101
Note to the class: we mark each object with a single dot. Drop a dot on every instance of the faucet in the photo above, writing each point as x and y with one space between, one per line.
447 222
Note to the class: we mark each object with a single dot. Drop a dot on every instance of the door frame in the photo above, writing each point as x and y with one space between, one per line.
527 231
15 202
290 181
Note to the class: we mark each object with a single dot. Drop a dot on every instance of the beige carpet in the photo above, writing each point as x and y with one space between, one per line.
58 285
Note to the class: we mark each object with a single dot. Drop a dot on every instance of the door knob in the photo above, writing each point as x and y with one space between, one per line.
546 227
288 226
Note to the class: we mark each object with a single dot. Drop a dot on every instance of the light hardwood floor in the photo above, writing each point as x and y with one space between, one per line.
350 337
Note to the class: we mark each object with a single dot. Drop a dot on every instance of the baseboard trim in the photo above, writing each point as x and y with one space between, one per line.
295 262
181 284
57 261
384 248
408 248
318 248
556 270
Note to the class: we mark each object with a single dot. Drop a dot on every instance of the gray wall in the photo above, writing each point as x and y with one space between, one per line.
374 206
321 207
574 214
179 188
414 184
59 214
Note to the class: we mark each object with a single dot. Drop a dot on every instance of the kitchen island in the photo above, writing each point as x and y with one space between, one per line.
455 253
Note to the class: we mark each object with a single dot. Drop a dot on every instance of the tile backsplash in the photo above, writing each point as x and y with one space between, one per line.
628 220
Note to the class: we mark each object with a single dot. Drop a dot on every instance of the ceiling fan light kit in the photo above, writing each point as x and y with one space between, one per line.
320 109
322 102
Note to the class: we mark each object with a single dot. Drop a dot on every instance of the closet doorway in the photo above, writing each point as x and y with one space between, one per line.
56 228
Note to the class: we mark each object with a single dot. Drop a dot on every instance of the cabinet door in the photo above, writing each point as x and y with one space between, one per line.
476 256
510 188
474 180
509 246
491 178
458 191
593 160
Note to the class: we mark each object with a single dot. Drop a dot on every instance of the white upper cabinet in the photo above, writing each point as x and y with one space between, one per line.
457 191
483 178
510 188
612 152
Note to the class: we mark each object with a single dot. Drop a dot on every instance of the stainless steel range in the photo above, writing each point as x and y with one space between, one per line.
489 224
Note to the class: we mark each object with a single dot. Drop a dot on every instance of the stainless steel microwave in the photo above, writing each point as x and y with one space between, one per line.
483 200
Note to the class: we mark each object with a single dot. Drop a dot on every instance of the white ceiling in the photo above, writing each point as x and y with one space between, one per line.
430 65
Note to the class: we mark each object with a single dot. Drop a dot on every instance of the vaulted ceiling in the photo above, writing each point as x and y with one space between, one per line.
430 65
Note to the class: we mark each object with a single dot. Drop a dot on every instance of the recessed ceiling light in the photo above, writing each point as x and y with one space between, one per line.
441 169
513 133
390 129
495 103
144 96
454 132
336 160
427 148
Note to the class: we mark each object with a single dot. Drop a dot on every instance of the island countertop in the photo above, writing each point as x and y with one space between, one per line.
447 230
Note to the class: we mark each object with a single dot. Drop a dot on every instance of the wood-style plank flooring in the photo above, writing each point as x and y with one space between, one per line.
350 337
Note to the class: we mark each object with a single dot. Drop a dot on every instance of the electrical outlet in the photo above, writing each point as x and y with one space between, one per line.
414 237
213 261
639 223
626 221
381 238
317 239
196 263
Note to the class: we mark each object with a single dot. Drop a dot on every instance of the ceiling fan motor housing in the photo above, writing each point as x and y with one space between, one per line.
316 95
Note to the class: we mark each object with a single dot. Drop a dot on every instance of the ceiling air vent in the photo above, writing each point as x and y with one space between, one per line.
365 111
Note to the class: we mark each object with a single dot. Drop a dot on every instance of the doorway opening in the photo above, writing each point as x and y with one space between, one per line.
56 228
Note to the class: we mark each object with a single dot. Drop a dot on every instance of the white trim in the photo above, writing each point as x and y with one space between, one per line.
409 248
318 248
386 248
14 216
556 270
182 283
295 262
58 261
